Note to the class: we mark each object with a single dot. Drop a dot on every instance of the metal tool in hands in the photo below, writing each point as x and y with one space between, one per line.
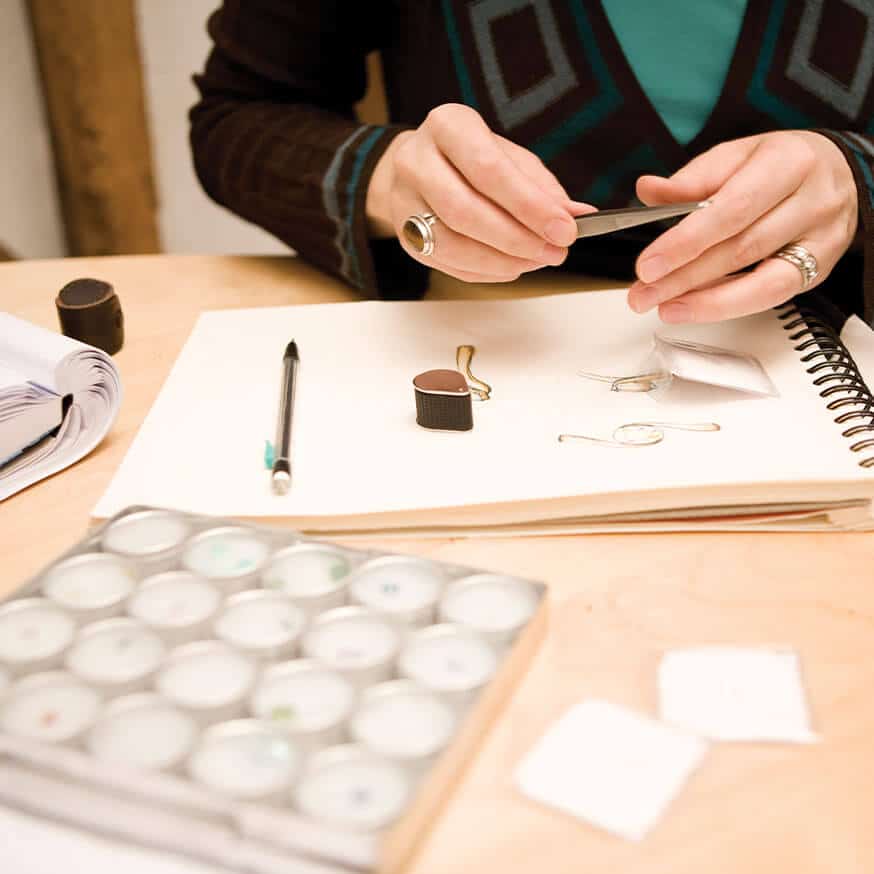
606 221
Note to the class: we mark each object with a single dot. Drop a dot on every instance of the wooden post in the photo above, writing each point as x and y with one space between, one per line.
89 60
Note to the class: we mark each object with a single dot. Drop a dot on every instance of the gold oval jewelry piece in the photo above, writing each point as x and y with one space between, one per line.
418 232
482 391
642 433
676 426
802 258
634 434
655 436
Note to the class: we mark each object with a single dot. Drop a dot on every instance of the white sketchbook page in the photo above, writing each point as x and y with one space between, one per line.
859 340
357 448
65 366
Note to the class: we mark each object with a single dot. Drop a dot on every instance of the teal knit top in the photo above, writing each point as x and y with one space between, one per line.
693 39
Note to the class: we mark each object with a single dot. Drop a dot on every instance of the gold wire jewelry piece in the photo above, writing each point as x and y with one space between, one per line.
634 434
656 436
482 391
639 382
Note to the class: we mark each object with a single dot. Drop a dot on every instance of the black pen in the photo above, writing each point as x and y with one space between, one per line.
281 475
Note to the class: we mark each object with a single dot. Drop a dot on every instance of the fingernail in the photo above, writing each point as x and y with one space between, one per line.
553 255
579 208
652 269
676 312
561 231
644 298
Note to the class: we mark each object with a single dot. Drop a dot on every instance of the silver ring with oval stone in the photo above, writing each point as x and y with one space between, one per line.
419 234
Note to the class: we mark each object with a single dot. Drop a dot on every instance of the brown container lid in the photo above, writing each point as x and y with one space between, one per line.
89 311
445 382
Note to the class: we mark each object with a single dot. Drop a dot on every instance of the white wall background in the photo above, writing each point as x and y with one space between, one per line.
174 45
30 218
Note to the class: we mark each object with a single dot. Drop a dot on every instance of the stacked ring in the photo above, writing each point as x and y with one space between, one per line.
803 259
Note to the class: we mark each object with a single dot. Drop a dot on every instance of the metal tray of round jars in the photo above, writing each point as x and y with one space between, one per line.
251 696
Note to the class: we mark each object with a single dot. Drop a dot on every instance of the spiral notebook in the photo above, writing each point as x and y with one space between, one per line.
798 460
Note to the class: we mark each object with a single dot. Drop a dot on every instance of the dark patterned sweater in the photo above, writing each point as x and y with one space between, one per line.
276 140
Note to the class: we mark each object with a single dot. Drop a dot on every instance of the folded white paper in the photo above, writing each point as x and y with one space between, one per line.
734 694
612 767
40 434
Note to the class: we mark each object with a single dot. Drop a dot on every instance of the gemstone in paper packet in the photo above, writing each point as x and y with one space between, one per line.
712 365
735 694
612 767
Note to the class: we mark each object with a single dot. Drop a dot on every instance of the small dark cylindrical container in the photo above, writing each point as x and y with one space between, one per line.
90 311
443 401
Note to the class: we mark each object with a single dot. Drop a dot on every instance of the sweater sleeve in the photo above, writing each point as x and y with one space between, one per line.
275 138
851 284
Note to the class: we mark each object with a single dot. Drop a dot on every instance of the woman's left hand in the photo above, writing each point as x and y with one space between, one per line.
767 191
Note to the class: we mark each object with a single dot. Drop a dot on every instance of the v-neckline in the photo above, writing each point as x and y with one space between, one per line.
641 98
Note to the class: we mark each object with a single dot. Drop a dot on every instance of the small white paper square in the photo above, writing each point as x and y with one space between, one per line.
713 366
734 694
612 767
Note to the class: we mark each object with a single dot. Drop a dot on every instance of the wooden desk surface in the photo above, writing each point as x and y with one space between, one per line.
618 601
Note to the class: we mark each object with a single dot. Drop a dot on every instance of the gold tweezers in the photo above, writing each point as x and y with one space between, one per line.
607 220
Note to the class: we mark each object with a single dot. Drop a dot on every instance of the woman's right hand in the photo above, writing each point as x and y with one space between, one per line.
499 211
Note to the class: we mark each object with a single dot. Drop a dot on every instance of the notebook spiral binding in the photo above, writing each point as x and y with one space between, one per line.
834 371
